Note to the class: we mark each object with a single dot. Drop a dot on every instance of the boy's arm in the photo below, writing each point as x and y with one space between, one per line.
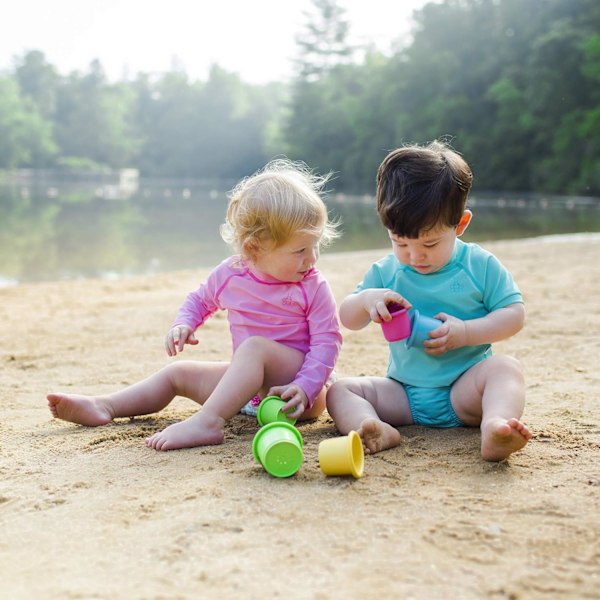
358 310
498 325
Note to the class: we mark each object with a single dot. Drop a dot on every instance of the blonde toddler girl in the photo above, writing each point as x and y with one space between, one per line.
281 312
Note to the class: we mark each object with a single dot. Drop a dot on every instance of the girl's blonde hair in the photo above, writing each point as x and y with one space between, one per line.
269 207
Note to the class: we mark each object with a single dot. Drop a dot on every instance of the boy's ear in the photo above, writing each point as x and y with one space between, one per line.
464 222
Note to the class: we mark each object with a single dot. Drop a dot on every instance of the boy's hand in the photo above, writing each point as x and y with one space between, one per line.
377 302
295 397
448 336
177 337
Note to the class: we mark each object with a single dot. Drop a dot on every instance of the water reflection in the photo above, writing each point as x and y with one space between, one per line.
54 232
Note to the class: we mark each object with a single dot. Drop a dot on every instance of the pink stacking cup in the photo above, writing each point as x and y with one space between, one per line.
399 327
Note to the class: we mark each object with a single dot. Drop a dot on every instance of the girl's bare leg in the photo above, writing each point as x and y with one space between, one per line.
371 406
194 380
317 408
491 394
257 365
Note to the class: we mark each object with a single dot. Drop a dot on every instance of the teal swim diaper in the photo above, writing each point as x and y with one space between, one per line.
431 407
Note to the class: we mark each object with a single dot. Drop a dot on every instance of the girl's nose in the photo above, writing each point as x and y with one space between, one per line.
313 255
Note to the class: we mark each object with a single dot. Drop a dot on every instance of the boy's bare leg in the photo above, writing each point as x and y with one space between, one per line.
491 394
371 406
257 365
183 378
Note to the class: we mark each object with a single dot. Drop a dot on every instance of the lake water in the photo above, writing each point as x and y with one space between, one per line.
60 231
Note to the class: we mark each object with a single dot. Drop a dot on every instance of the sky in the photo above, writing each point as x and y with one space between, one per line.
254 38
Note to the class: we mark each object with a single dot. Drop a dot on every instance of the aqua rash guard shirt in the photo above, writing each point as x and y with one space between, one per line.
471 285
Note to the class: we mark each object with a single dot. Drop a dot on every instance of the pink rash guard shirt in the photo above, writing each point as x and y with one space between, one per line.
301 315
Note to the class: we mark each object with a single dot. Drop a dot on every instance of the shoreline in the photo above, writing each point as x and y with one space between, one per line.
112 276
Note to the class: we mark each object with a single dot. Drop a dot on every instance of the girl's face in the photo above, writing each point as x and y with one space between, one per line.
291 261
432 250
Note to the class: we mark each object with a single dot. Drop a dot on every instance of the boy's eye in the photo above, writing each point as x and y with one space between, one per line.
431 245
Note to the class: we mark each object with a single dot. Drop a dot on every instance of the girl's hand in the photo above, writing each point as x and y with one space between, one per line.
296 399
377 302
448 336
177 337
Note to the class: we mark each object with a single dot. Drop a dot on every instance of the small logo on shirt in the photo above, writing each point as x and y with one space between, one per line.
456 286
287 300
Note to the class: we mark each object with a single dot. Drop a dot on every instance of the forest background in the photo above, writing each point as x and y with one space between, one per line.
512 84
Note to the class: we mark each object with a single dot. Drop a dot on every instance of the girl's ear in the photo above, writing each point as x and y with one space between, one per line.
251 248
464 222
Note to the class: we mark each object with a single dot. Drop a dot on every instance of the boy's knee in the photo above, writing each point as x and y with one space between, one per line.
334 391
507 364
339 389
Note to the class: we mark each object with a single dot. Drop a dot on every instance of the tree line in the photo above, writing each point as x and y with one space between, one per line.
514 85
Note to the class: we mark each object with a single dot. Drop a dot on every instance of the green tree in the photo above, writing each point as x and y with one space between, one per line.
25 136
563 93
325 92
323 42
213 129
94 119
38 81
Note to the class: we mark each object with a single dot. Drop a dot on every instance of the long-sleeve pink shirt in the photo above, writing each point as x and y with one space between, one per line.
300 315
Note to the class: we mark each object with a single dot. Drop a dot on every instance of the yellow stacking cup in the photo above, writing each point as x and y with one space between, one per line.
342 455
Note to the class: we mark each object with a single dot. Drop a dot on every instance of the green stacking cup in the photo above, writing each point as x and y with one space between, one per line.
278 448
269 411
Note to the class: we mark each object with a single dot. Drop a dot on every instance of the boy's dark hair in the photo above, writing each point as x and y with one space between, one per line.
420 188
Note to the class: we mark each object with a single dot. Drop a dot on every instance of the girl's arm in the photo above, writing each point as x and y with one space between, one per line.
196 308
177 337
325 343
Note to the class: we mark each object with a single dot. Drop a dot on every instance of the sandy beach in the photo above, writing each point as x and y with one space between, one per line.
94 513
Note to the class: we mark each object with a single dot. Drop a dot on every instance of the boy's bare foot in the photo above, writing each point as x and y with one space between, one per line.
85 410
377 435
500 438
194 431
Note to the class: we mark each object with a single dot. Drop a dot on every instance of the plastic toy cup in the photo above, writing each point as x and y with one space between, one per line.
342 455
269 411
399 327
278 448
420 326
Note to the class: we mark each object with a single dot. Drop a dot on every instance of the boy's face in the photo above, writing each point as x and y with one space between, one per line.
432 250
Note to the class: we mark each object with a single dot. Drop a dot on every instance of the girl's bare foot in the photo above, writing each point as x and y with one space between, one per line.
377 435
197 430
500 438
85 410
